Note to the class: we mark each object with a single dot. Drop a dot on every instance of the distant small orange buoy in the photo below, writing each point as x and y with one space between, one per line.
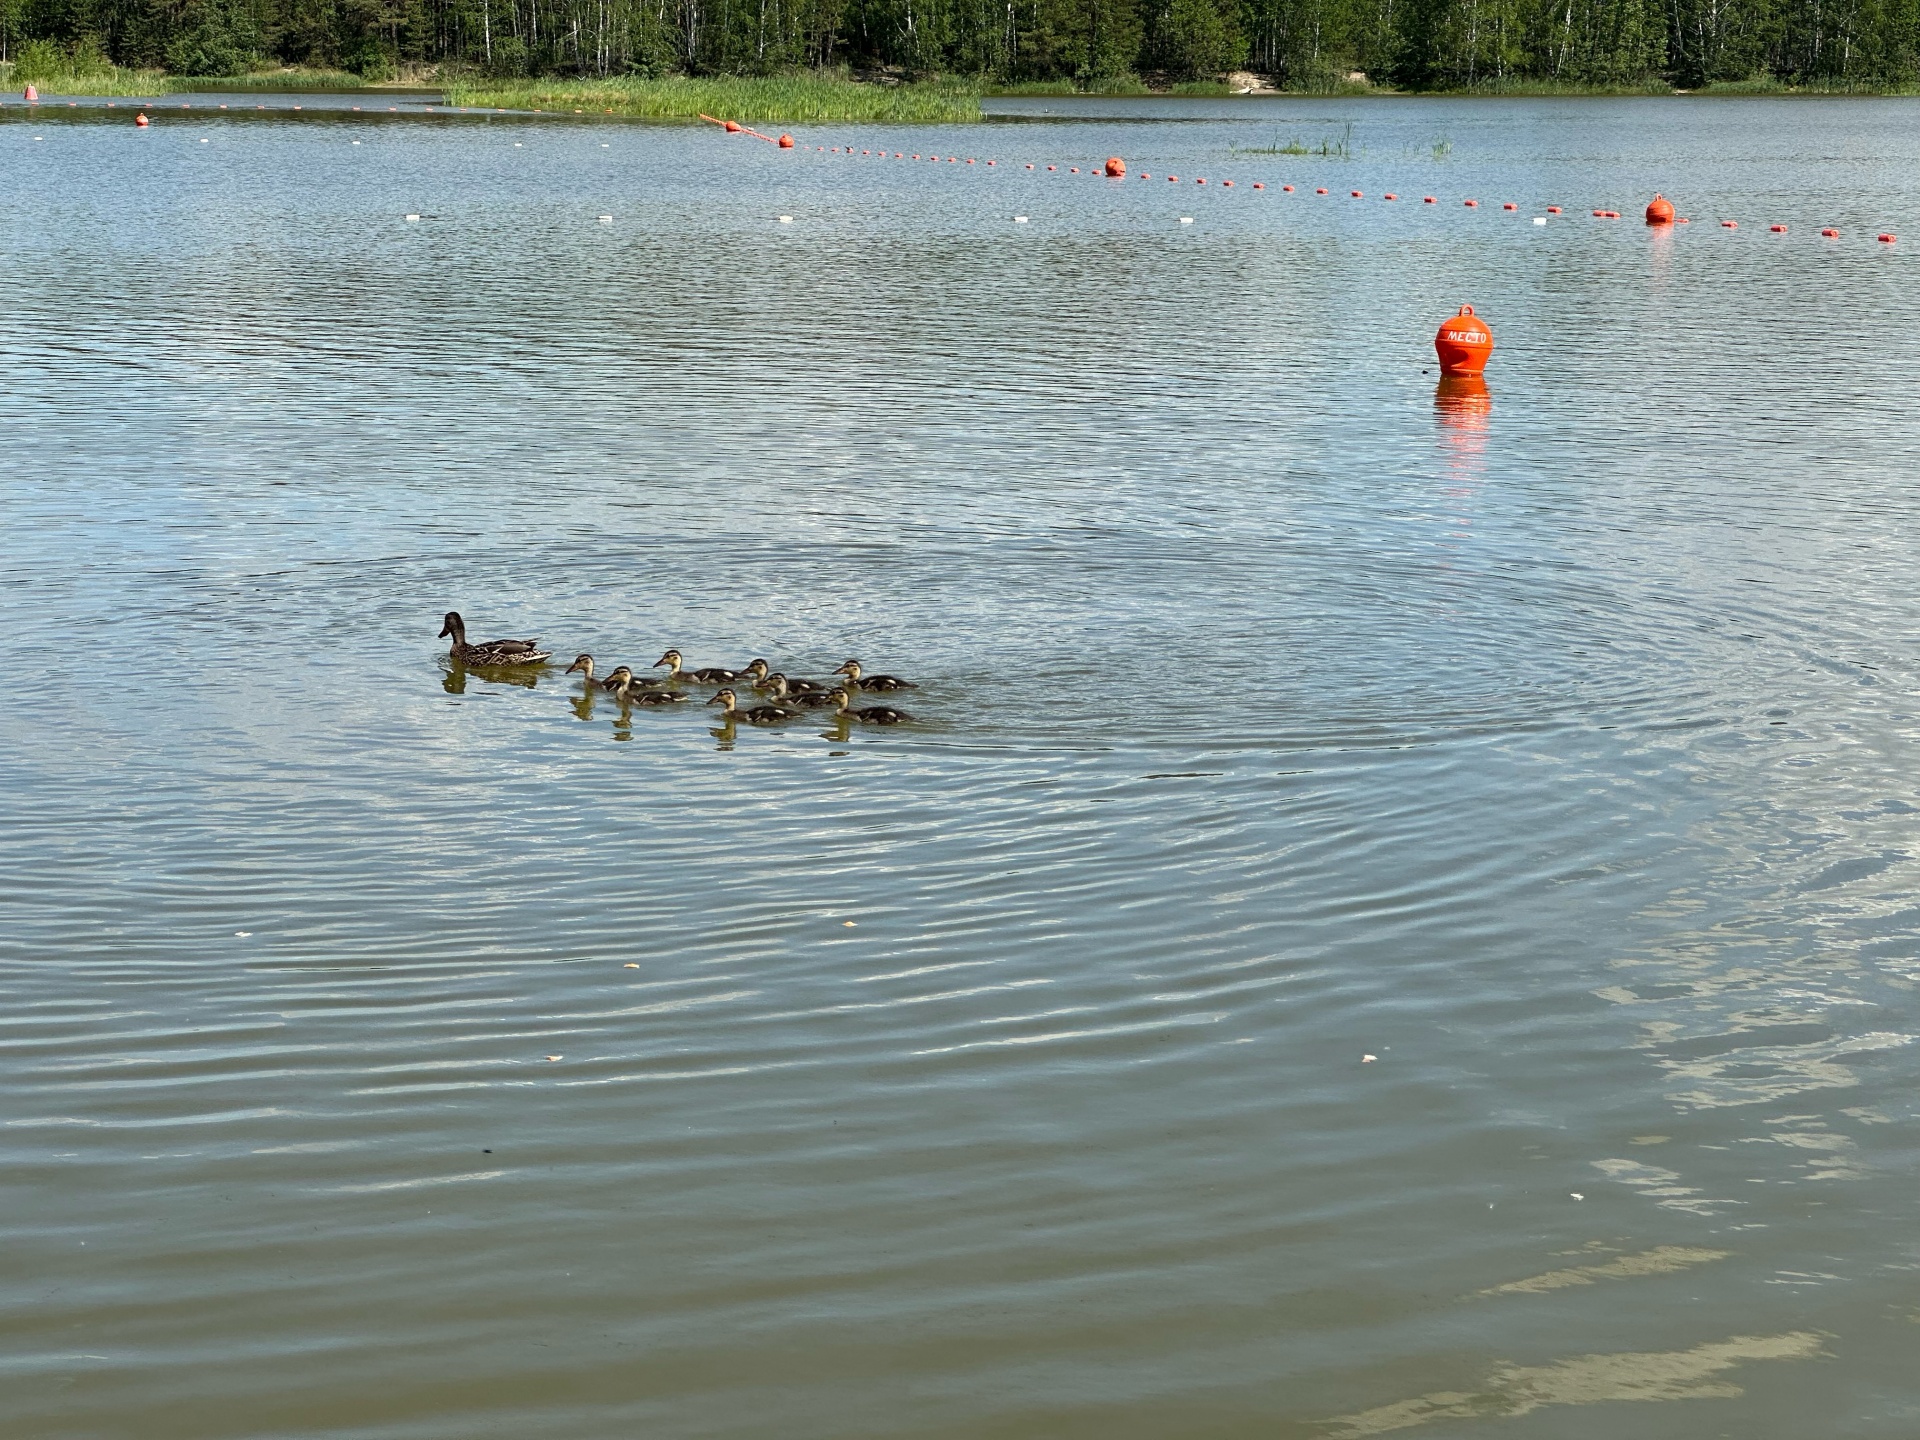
1116 167
1729 224
1886 239
1473 205
1258 185
1778 229
1389 196
1831 234
1553 209
1428 200
1659 211
1321 191
1509 206
1356 194
1463 344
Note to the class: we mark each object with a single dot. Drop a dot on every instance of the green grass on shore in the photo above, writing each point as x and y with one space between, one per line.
777 99
116 81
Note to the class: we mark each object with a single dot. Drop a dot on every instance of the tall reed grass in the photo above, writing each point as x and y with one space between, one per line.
774 99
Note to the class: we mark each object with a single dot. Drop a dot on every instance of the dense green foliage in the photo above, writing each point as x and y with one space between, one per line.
1303 44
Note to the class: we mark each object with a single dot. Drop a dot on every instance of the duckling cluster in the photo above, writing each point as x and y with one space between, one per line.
786 697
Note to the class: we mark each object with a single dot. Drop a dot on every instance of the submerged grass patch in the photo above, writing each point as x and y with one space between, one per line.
781 99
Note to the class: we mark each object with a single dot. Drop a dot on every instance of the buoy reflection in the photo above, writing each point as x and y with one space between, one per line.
1463 402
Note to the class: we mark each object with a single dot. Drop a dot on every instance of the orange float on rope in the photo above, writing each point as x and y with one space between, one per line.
1886 239
1463 344
1659 211
786 142
1778 229
1831 234
1258 185
1473 204
1321 191
141 121
733 127
1428 200
1389 196
1729 224
1509 206
1356 194
1553 209
1116 167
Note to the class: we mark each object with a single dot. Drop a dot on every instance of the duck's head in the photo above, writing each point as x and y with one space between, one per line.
839 696
776 684
672 657
756 668
583 663
619 675
726 698
453 625
851 670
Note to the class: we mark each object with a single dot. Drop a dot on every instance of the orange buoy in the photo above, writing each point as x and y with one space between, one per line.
1258 185
1116 167
1201 181
1463 344
1355 194
1473 204
1886 239
141 121
31 95
1053 167
1287 188
1509 206
1173 179
1321 191
1778 229
1659 211
1389 196
1729 224
1553 209
1428 200
733 127
1226 184
1831 234
786 142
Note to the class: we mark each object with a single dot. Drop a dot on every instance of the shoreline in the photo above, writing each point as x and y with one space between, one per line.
820 98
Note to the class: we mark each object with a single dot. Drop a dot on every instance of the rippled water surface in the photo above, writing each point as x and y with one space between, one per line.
1397 912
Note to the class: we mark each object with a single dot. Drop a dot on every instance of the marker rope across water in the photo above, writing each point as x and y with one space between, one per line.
1659 211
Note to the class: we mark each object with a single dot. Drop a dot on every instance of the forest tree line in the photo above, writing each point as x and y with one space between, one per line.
1301 44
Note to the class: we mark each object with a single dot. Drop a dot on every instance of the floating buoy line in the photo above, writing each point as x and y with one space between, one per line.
1659 212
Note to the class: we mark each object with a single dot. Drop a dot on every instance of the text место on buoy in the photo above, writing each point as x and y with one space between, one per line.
1463 343
1659 211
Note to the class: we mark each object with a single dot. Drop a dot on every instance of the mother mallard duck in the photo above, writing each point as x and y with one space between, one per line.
493 652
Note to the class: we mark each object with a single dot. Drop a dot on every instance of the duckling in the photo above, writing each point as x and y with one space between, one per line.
711 675
584 664
797 688
781 689
494 652
622 675
755 670
756 715
635 691
857 681
867 714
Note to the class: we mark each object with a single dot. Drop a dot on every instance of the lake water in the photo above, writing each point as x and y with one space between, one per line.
398 1053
